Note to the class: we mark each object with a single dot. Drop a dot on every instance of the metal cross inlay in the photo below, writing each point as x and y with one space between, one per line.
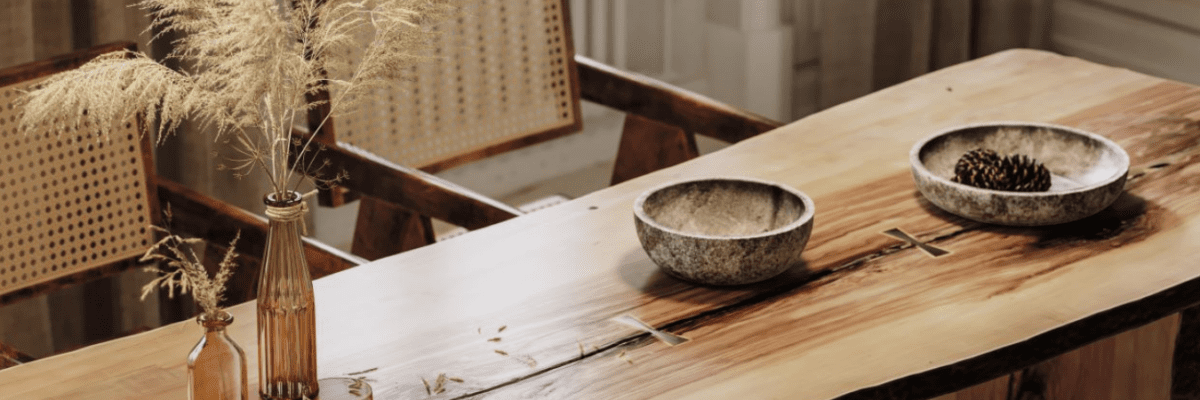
929 249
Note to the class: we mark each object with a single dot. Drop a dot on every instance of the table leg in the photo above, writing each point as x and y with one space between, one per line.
1132 365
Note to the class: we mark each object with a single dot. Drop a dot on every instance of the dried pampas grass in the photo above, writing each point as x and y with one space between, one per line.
256 63
179 269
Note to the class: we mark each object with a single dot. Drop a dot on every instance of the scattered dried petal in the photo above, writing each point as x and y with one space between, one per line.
363 371
440 384
669 338
427 390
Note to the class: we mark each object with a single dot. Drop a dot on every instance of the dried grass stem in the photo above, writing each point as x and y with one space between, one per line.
255 66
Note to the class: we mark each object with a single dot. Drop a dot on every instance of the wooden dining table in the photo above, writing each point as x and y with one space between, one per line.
545 306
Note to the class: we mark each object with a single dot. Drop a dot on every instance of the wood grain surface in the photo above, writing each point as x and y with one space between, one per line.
523 308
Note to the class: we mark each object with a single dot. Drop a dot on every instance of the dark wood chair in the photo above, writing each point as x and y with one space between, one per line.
76 208
10 356
505 76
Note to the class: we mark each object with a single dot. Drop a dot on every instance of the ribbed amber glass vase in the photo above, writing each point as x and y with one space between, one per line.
287 337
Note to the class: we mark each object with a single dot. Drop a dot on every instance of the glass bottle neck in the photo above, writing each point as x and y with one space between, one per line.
285 269
215 322
285 214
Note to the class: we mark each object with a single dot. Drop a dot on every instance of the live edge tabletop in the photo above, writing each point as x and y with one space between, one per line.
525 308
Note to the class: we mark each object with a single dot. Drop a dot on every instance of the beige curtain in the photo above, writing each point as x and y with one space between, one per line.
844 49
36 29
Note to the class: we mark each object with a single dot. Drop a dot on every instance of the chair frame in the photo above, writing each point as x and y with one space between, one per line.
399 201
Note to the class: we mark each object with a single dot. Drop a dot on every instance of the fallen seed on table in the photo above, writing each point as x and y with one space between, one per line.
439 385
501 352
427 391
622 356
495 339
502 327
363 371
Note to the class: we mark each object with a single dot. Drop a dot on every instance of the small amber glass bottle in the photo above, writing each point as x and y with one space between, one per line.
216 366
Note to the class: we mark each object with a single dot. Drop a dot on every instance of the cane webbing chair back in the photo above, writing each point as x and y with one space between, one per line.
71 201
502 77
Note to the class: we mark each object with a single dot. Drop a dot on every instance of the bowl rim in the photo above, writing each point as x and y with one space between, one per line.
914 158
804 218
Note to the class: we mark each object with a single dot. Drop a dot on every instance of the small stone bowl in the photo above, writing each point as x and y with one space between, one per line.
723 231
1087 172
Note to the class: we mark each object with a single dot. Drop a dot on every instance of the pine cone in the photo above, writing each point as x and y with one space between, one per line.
1025 174
979 168
985 169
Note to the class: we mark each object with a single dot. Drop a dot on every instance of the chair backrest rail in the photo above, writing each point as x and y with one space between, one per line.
648 97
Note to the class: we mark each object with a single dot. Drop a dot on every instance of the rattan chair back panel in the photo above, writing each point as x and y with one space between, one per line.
502 73
70 200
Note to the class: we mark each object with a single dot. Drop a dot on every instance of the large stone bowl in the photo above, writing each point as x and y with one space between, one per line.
1087 172
723 231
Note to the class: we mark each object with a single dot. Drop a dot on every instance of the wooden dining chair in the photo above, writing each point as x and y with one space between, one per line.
10 356
505 75
76 207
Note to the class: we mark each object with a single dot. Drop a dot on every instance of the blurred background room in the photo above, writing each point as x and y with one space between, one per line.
782 59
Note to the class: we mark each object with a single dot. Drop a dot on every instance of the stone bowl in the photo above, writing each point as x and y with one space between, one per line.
1087 171
723 231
